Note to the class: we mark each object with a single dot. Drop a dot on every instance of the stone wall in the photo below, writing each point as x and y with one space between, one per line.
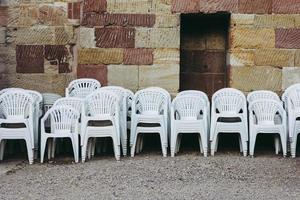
44 44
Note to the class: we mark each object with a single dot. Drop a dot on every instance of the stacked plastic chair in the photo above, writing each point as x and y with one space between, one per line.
81 88
189 115
150 106
229 115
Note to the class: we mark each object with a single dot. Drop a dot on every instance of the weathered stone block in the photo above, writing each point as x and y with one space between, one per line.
28 14
288 38
2 35
167 21
100 56
64 35
297 58
248 79
94 6
249 38
274 21
132 6
212 6
165 76
74 10
255 6
3 15
242 20
58 55
96 19
98 72
87 37
290 76
35 35
126 76
240 58
157 38
286 6
185 6
30 58
166 56
53 14
138 57
115 37
274 57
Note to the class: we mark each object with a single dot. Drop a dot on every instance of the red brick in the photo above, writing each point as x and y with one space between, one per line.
94 6
211 6
255 6
95 19
138 57
287 38
116 37
58 55
74 10
286 6
3 15
30 58
185 6
98 72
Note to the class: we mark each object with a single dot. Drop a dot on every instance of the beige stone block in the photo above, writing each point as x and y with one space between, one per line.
87 37
129 6
100 56
161 6
165 76
297 58
250 38
274 57
240 58
242 20
157 38
126 76
274 21
256 78
13 16
35 35
7 59
290 76
166 56
64 35
297 20
2 35
167 20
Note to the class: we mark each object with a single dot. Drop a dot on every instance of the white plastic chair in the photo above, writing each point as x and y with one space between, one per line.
150 106
229 115
81 88
189 115
262 114
17 107
101 106
64 124
121 93
293 107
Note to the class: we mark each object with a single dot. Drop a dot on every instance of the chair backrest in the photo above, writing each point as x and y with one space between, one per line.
73 102
294 97
129 98
265 111
195 93
101 103
229 100
82 87
188 107
262 94
151 101
287 92
9 89
62 119
16 104
119 91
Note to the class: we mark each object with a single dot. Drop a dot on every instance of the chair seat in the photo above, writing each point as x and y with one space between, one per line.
229 119
100 123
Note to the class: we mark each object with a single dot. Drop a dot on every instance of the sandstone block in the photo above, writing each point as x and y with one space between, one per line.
64 35
255 6
100 56
157 38
249 38
240 58
124 75
35 35
74 10
165 76
288 38
274 21
2 35
213 6
3 15
30 58
138 57
167 21
87 37
166 56
242 20
290 76
297 58
286 6
132 6
53 14
274 57
248 79
185 6
98 72
94 6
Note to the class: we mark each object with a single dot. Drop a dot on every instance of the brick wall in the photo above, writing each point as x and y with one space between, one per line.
45 44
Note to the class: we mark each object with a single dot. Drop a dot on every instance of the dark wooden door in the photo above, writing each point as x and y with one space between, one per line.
203 52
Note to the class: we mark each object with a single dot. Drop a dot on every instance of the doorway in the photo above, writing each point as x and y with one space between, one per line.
203 52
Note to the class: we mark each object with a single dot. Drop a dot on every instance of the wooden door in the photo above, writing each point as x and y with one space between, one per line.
203 52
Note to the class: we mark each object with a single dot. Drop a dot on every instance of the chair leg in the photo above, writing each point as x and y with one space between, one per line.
252 143
213 144
93 147
75 148
174 143
43 147
163 147
277 144
50 147
30 151
90 144
2 148
116 148
84 148
200 143
204 144
294 146
217 143
132 150
240 144
138 143
283 144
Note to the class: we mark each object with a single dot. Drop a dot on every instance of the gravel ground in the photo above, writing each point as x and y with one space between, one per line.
228 175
